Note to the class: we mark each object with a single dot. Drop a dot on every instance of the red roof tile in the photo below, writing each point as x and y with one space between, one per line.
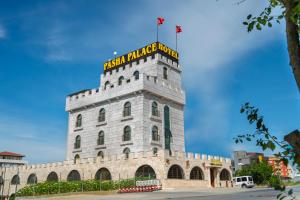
6 153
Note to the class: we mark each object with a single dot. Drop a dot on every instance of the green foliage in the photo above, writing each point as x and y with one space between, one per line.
47 188
261 172
276 183
264 138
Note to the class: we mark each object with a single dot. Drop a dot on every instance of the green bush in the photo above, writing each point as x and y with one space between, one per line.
276 183
47 188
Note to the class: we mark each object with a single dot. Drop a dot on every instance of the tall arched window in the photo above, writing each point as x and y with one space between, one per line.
52 177
196 174
106 85
126 151
76 158
77 143
127 109
155 135
78 120
225 175
15 180
155 150
136 75
1 181
100 140
154 109
165 73
100 154
32 179
101 117
121 79
175 172
127 133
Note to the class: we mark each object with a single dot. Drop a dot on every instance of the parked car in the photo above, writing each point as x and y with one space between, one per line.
243 181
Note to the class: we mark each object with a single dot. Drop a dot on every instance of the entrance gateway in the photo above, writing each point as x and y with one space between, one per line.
131 125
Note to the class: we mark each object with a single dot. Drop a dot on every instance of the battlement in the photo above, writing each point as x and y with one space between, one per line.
132 156
145 82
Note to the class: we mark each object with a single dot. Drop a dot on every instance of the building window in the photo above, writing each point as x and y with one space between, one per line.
32 179
74 176
100 138
196 174
165 73
106 85
127 109
101 117
52 177
78 121
126 152
155 135
100 154
225 175
77 142
127 133
15 180
136 75
175 172
121 79
76 158
155 150
154 109
103 174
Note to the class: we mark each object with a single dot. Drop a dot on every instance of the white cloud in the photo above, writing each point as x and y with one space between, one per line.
2 32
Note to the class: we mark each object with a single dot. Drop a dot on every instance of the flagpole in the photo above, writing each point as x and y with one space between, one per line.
156 32
176 40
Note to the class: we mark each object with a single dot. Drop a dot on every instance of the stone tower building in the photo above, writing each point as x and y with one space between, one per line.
139 106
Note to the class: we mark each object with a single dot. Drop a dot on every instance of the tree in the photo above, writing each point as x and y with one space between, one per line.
291 13
261 172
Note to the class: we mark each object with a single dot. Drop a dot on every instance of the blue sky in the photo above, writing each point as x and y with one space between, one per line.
49 49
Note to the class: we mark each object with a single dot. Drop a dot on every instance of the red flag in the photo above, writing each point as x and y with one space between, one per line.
160 20
178 29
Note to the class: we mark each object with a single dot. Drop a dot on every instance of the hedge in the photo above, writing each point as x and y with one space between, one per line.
47 188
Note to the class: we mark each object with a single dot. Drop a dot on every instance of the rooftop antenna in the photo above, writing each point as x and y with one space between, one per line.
115 54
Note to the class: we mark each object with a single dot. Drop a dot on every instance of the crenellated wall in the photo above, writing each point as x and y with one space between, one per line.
123 168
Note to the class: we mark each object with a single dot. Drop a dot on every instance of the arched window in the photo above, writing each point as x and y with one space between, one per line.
196 174
106 85
100 154
76 158
168 134
121 79
78 120
155 135
126 151
73 176
154 109
32 179
175 172
165 73
225 175
101 117
145 171
1 180
103 174
127 109
77 143
155 150
100 140
127 133
136 75
52 177
15 180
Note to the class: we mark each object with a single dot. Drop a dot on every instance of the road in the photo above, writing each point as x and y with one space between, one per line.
204 194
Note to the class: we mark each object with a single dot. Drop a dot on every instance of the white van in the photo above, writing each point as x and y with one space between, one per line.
243 181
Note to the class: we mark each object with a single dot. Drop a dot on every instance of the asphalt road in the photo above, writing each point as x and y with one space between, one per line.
205 194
